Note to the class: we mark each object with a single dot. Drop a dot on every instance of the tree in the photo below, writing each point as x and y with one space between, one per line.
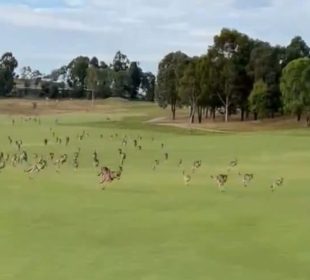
26 72
259 99
94 62
170 72
121 84
77 74
59 74
242 82
103 65
266 64
209 86
230 55
305 79
52 89
36 74
105 80
148 85
135 74
120 62
219 80
8 64
295 86
92 81
297 48
190 87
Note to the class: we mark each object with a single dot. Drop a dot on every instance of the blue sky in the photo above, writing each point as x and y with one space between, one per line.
46 34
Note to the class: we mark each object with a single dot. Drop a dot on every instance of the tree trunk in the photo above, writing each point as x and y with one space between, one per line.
193 112
207 113
200 114
247 115
308 121
242 114
192 118
226 109
298 117
190 111
173 111
255 116
213 113
93 98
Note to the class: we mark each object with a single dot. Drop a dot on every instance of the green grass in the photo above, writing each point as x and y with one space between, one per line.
149 225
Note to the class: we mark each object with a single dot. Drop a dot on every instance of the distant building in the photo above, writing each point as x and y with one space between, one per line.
27 87
40 87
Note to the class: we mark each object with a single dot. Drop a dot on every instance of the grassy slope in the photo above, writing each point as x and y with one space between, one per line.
149 225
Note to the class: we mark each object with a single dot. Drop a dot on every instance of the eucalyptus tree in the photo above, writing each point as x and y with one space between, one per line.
121 84
148 85
266 63
8 64
77 72
91 81
120 62
170 72
189 88
297 48
295 87
258 99
135 74
58 74
229 56
94 62
105 80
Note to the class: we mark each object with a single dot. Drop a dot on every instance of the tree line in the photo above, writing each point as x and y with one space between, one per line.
83 77
237 75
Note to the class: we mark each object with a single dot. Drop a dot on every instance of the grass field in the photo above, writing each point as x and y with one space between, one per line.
149 225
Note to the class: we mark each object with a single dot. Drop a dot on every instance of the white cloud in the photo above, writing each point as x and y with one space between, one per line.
23 16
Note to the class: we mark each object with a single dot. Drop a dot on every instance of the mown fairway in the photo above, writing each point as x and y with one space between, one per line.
149 225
